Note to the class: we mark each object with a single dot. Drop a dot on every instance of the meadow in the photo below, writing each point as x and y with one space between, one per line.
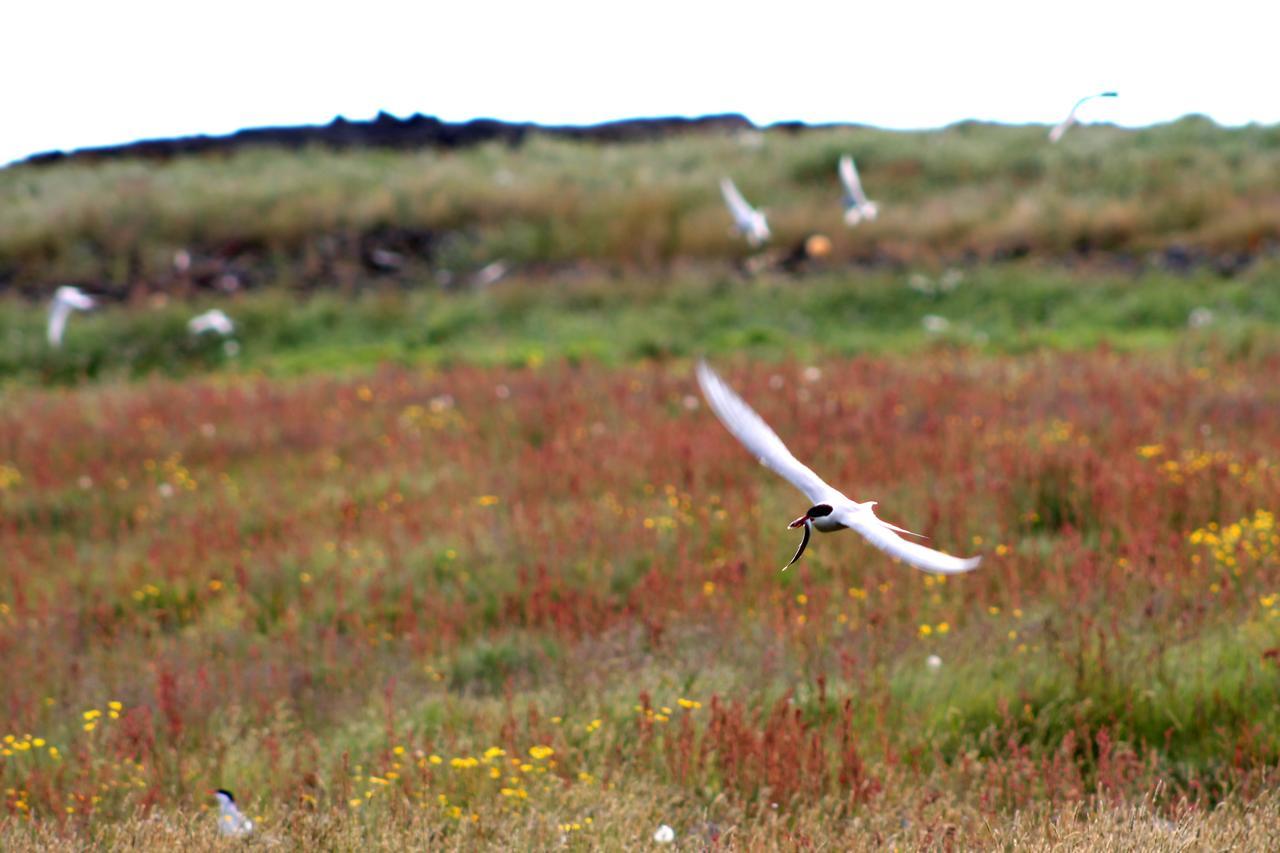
432 564
964 194
477 604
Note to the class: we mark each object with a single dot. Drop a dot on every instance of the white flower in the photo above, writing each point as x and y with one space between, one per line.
933 662
664 835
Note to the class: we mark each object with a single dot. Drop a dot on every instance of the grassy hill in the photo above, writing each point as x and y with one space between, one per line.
1188 191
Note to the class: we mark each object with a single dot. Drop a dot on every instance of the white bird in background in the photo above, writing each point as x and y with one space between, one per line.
747 220
65 300
857 207
231 821
1061 128
213 320
831 510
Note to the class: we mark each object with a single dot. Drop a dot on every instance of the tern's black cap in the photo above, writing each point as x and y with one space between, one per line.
230 796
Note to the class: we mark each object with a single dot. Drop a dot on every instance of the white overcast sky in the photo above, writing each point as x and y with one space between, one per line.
93 73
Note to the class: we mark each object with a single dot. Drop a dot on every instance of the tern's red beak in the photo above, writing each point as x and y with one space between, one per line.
799 522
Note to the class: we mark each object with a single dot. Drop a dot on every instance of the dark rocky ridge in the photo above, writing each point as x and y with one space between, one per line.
416 131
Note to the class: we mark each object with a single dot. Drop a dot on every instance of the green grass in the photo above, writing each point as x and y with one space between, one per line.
969 190
1004 309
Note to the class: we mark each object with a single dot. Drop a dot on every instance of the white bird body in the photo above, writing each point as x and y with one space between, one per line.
231 821
831 510
748 221
1061 127
65 300
213 320
857 207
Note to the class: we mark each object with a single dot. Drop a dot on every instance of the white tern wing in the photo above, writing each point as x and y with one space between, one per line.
58 313
880 535
763 443
852 183
741 211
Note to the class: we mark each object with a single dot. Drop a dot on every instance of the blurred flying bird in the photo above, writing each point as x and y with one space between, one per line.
65 300
748 221
857 207
213 320
1061 128
831 510
489 274
231 821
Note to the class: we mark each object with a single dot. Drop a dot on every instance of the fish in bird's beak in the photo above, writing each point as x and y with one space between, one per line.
804 543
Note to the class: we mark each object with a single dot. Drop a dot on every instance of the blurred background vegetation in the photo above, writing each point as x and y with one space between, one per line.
989 237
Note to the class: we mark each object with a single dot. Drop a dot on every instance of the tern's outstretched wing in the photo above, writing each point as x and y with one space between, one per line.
58 313
738 207
881 535
852 183
763 443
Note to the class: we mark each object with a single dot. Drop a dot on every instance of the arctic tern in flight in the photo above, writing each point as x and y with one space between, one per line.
831 510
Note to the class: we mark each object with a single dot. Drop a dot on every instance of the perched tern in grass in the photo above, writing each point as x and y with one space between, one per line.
748 221
65 300
1062 126
831 510
231 821
857 207
214 320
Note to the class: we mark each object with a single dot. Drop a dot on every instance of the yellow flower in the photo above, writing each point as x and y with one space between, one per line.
494 752
943 627
486 500
688 704
925 630
435 759
540 752
1146 451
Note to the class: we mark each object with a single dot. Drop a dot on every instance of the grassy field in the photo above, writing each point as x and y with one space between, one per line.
473 604
968 192
424 563
1003 309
